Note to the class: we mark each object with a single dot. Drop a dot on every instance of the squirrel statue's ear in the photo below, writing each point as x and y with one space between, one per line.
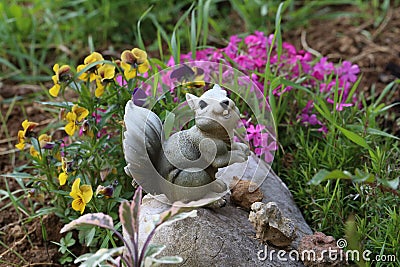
192 100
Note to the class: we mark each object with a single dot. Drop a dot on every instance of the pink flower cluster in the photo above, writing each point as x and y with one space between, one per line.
263 143
250 55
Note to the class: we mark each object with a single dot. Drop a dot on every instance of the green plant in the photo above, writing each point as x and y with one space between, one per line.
66 242
132 253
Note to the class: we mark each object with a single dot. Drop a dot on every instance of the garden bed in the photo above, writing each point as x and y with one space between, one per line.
375 49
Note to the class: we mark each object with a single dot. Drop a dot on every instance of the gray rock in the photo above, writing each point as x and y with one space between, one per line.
270 225
225 236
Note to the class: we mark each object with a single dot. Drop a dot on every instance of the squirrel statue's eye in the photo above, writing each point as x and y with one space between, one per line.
225 104
202 104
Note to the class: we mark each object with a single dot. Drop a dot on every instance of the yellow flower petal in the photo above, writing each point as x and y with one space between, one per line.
78 204
93 57
21 140
129 71
70 128
140 55
29 125
34 152
142 68
20 146
56 67
80 112
87 192
83 76
62 178
99 90
55 90
71 117
64 164
127 57
75 191
44 139
107 72
21 136
55 79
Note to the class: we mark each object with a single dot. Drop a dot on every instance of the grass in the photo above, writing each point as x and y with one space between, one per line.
41 33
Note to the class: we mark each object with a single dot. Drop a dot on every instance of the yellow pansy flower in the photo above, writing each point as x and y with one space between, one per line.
81 195
134 61
43 140
61 75
62 178
106 72
21 140
34 152
22 134
73 117
90 73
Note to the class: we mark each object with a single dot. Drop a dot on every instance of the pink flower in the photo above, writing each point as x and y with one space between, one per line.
340 106
121 81
265 148
245 62
309 119
348 72
322 68
254 133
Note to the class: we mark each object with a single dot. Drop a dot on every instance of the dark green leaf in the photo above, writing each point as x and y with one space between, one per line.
324 175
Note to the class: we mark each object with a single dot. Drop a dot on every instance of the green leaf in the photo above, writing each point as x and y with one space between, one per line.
90 259
135 207
67 259
193 38
361 176
126 217
129 213
95 219
373 131
168 123
324 175
170 216
139 34
168 260
35 144
394 184
87 235
323 109
353 137
153 250
18 175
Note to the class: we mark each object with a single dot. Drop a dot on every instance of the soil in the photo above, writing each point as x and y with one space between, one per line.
375 48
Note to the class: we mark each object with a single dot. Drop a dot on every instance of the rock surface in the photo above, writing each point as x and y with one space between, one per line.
326 249
225 236
241 196
271 226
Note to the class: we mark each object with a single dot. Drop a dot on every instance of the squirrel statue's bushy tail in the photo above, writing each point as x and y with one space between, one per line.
142 146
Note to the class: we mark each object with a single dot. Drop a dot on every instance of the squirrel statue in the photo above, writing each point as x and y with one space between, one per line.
184 165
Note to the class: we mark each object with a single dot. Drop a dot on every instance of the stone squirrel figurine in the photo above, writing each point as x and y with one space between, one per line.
188 159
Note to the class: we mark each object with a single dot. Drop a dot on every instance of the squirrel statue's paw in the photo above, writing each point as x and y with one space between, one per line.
237 156
241 147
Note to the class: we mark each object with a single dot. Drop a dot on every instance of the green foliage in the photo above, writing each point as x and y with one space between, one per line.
351 172
66 242
348 177
129 254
